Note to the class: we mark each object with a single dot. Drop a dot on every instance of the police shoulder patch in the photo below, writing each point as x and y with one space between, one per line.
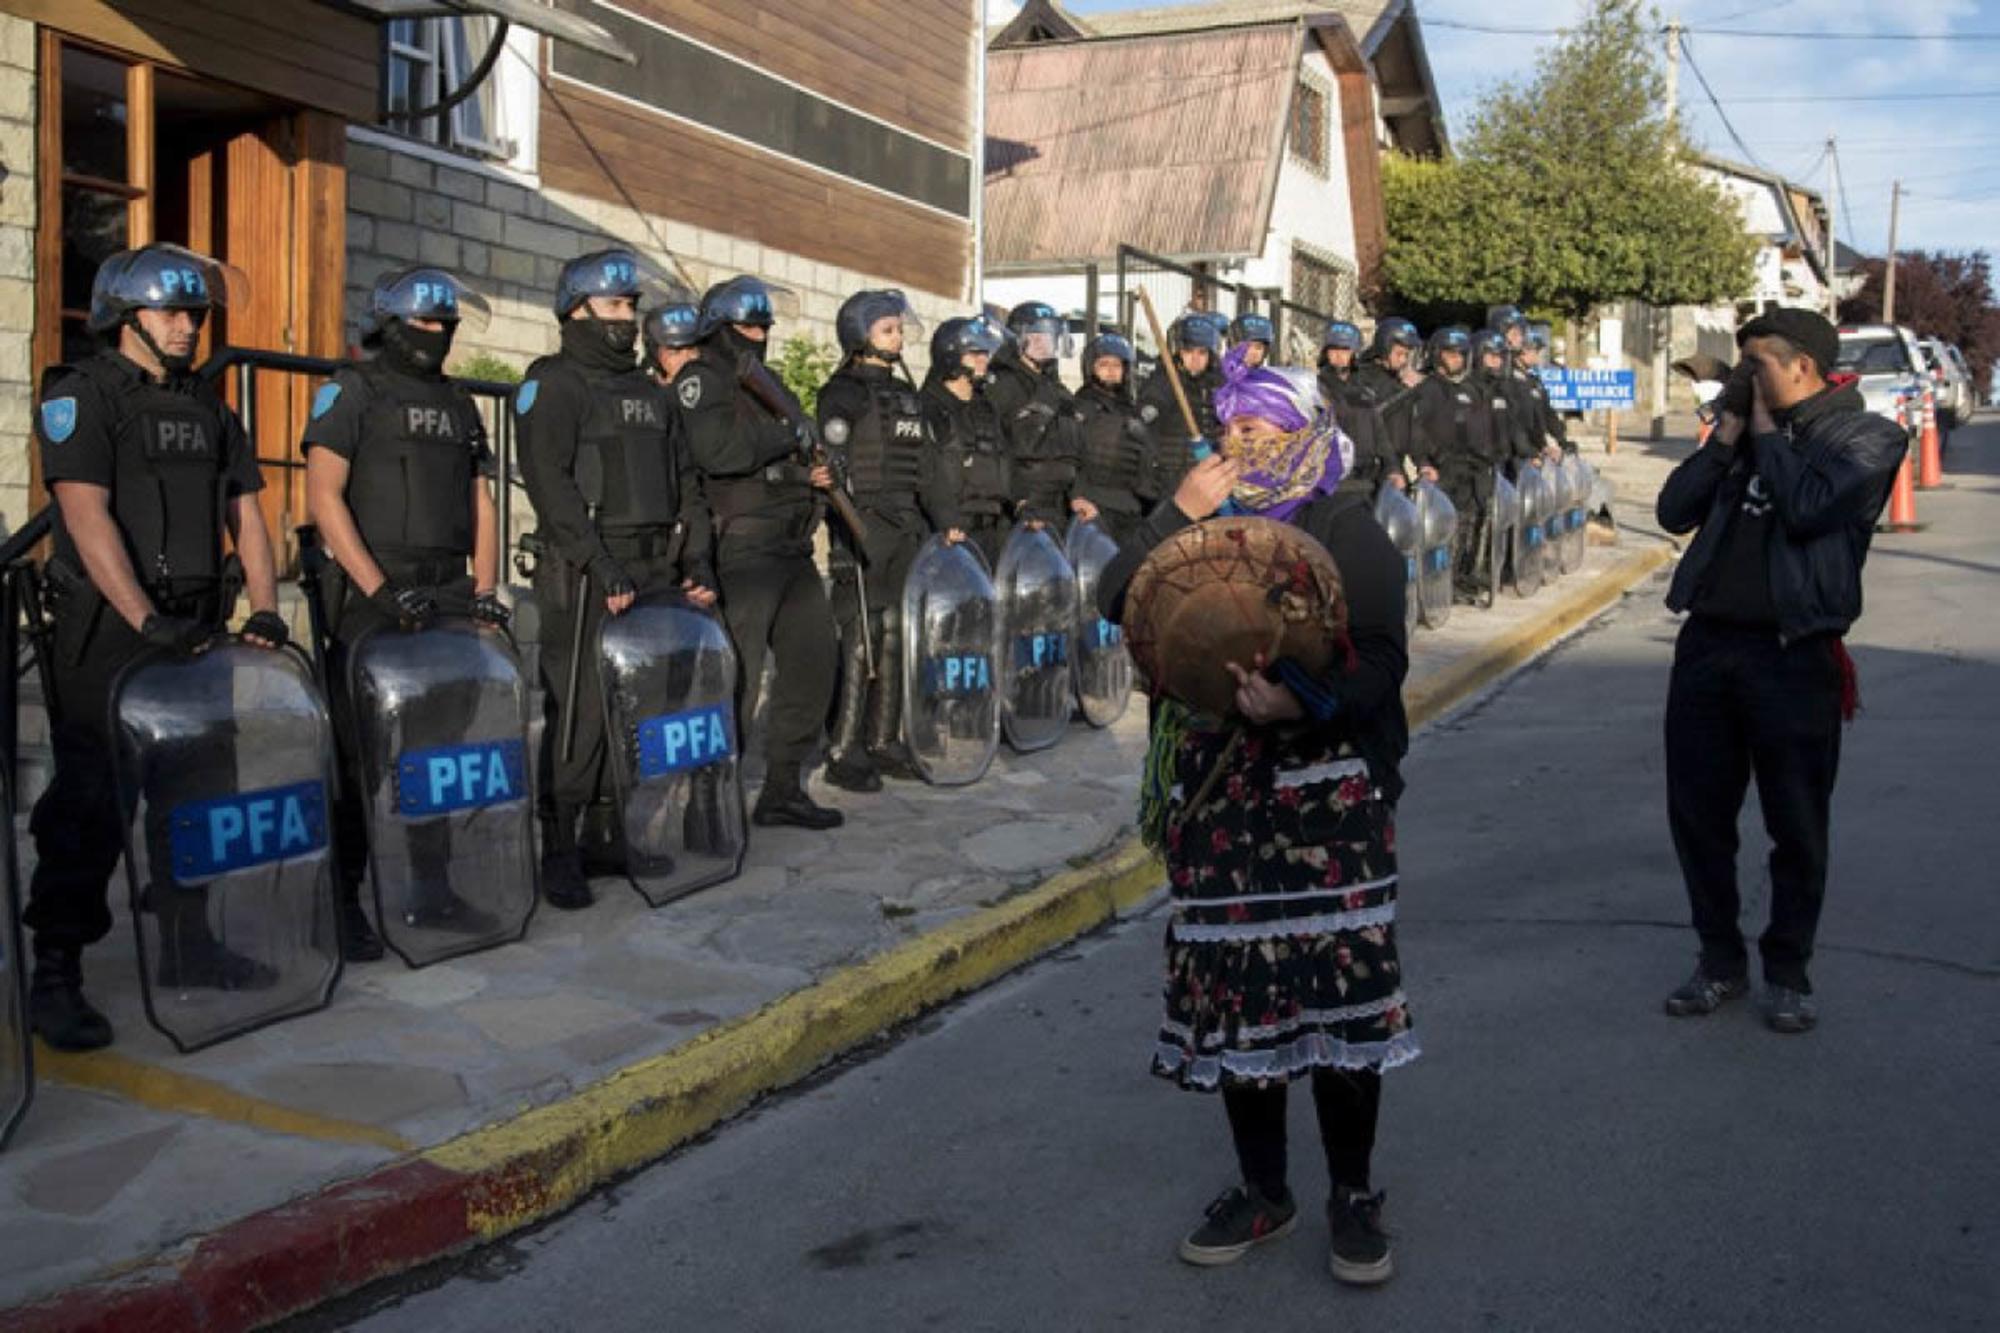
323 401
1149 414
836 430
689 391
524 397
58 419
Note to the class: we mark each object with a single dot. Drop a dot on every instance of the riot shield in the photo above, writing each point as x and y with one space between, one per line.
1437 527
1103 667
951 638
1398 517
1037 590
17 1052
1557 523
1531 552
1506 534
1576 526
441 728
668 672
224 766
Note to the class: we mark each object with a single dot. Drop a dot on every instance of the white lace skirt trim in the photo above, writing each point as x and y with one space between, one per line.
1312 1050
1323 923
1297 895
1305 1018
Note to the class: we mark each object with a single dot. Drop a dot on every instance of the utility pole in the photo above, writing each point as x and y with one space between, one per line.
1889 273
1662 323
1832 242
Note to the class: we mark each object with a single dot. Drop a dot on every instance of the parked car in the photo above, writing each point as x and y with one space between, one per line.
1889 366
1947 383
1970 407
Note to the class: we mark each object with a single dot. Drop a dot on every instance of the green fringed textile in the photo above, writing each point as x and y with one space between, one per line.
1156 784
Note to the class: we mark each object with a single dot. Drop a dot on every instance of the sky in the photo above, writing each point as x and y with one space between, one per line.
1943 145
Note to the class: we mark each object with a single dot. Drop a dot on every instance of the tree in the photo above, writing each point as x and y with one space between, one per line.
1940 295
1570 192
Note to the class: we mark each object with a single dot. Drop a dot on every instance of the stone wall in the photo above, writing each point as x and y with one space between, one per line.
17 263
511 239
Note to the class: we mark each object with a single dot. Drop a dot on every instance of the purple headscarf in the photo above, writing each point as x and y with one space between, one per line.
1311 463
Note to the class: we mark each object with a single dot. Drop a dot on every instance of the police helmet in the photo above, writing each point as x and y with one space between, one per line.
602 273
1197 328
1505 318
1450 338
1538 337
1033 318
1340 333
671 325
1395 331
159 277
1252 329
956 337
425 292
1106 344
1489 342
859 313
739 300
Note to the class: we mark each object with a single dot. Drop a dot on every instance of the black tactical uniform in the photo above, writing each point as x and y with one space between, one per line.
589 419
1454 431
766 511
1547 423
1394 401
972 448
1040 418
874 422
1173 451
1117 473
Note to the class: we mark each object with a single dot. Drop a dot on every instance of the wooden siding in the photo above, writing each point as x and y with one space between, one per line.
908 62
606 149
298 50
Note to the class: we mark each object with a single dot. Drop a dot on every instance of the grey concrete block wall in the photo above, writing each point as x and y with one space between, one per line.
17 263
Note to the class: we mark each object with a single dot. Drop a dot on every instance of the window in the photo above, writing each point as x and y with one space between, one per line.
1883 355
1323 284
428 61
1309 125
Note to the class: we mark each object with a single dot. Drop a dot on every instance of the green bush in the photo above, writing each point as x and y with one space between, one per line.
486 366
804 365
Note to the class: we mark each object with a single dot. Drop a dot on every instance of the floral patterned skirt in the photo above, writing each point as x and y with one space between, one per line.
1281 947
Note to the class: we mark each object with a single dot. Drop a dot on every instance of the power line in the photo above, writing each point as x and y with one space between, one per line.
1866 97
1840 178
1754 34
1688 53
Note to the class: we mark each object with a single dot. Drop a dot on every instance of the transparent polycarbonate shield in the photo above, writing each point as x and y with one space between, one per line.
1557 522
1530 545
441 727
224 767
1576 527
1103 668
668 670
17 1058
1397 514
1506 527
951 640
1037 590
1437 529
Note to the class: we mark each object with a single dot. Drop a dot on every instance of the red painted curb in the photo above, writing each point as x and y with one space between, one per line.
279 1262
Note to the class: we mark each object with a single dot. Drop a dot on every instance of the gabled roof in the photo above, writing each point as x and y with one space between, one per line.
1171 144
1364 17
1789 197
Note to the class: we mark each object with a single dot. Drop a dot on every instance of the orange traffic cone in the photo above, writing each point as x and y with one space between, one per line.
1930 468
1902 498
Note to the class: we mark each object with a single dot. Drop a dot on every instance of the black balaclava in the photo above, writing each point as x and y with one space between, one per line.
416 351
740 345
607 344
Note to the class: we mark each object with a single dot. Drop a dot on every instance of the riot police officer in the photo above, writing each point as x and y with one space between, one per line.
1117 475
966 428
149 470
1037 411
1454 444
1550 423
1388 374
874 423
1195 342
1523 389
620 513
671 339
1508 401
1357 409
398 483
752 442
1258 333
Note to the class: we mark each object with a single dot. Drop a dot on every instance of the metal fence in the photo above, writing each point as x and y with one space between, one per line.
1174 288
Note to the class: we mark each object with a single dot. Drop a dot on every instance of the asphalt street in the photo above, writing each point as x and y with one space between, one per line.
1564 1156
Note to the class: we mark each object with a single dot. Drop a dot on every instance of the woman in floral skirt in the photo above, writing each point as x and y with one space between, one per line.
1281 946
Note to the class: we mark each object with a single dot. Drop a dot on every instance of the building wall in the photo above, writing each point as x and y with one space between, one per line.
18 176
1309 208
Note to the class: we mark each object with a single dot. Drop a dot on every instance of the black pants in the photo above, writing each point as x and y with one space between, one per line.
989 532
774 602
1348 1103
77 826
1471 494
1739 704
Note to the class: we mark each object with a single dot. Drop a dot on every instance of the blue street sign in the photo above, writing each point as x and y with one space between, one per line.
1586 390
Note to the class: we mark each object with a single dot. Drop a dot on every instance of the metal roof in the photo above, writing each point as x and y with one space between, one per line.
1172 144
1364 17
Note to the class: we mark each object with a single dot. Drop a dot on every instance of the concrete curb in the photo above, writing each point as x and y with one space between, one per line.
508 1175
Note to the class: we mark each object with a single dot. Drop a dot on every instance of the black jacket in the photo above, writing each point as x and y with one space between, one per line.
1828 470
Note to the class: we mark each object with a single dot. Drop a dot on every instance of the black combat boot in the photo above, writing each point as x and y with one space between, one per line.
784 802
191 958
57 1009
358 941
848 765
885 712
705 827
564 884
601 839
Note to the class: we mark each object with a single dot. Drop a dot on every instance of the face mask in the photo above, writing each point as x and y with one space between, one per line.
742 344
420 351
621 334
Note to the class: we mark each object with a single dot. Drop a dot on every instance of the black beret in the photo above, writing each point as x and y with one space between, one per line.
1807 330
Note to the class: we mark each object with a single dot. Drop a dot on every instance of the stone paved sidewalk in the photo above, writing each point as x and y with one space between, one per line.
405 1059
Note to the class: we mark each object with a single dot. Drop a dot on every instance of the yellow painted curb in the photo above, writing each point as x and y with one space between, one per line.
188 1094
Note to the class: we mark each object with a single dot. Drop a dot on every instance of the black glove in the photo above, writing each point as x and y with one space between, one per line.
1737 390
488 609
610 578
412 608
268 626
176 634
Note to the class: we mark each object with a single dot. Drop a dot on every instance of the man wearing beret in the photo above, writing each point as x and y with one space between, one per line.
1783 500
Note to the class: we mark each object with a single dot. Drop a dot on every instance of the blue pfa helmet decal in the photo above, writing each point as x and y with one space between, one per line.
58 419
323 401
524 397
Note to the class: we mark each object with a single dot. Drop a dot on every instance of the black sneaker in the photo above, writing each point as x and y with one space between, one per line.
1240 1218
1702 994
1358 1252
1789 1011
